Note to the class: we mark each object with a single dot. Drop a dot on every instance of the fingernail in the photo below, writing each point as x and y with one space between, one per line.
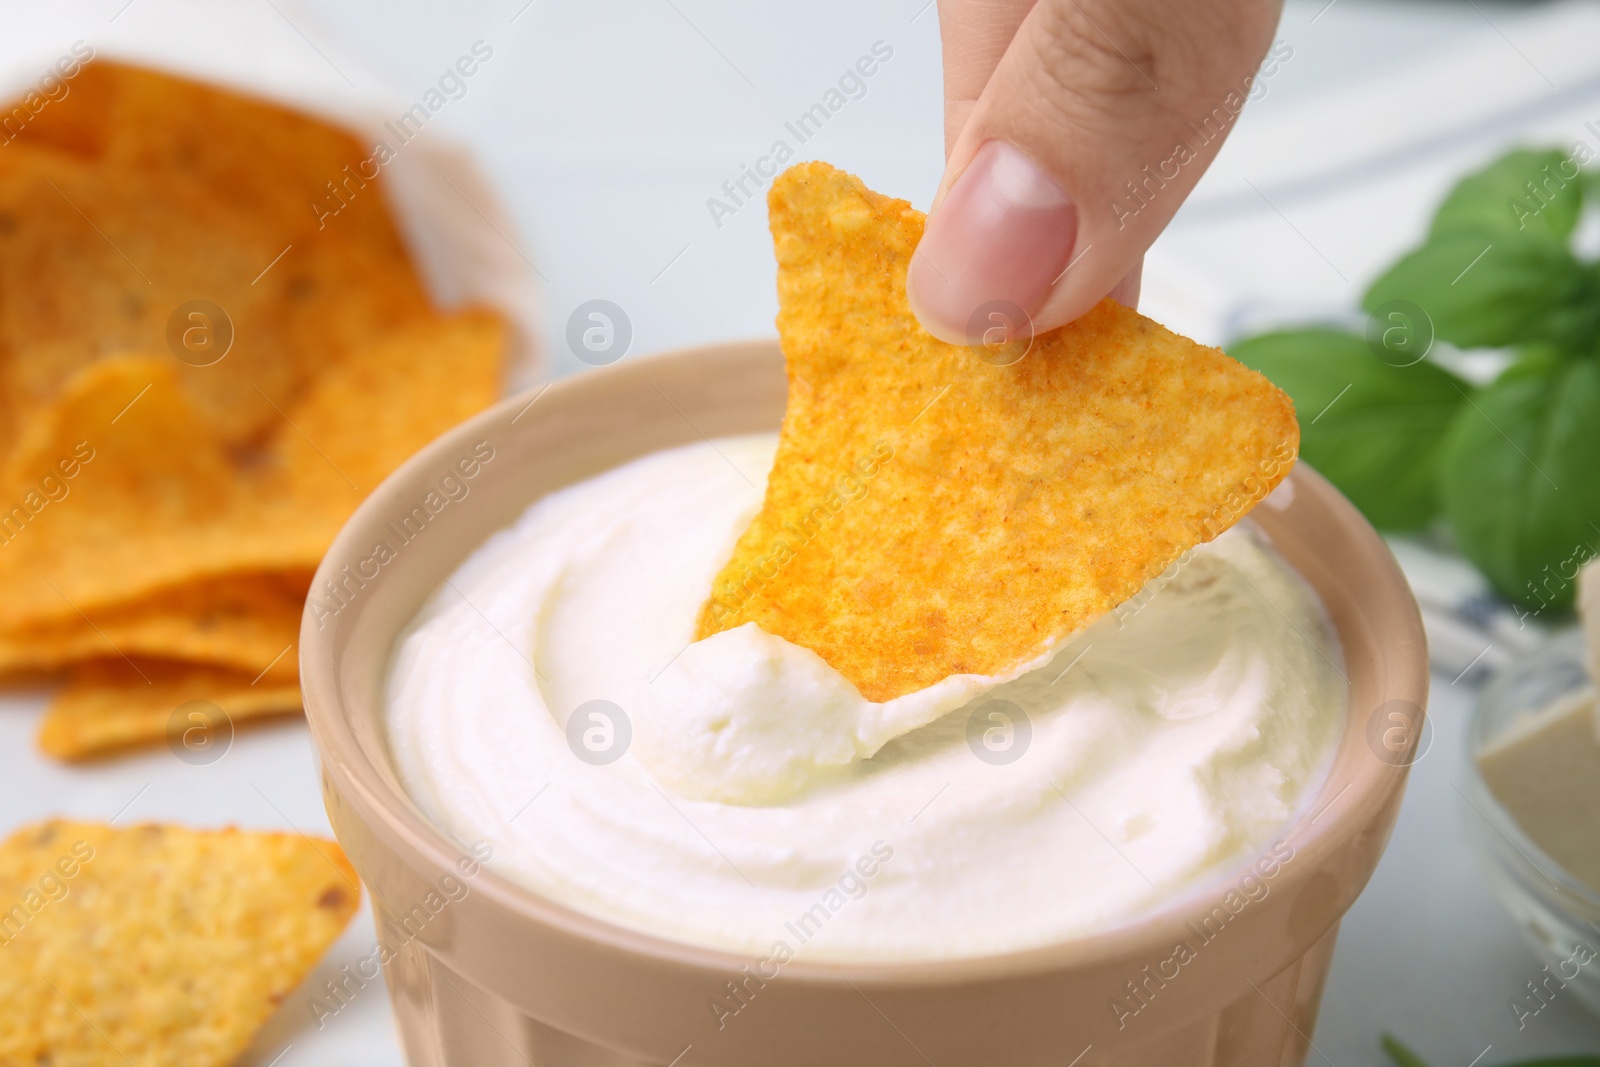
1004 232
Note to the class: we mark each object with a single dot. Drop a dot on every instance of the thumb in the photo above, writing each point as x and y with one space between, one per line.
1094 127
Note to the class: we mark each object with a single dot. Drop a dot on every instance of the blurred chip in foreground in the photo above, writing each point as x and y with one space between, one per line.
158 945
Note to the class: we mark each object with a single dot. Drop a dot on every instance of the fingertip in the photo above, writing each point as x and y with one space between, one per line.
930 314
994 245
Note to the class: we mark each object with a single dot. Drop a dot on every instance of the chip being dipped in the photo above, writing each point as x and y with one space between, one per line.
933 511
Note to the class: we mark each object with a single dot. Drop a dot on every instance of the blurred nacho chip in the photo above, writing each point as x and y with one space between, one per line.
250 154
213 345
239 621
114 704
935 510
282 165
158 944
151 502
369 413
91 267
142 211
338 297
76 120
344 275
156 501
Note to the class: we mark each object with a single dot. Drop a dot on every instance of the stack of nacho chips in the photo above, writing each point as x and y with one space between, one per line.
213 345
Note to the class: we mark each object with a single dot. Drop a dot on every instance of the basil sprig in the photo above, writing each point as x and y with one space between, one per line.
1512 468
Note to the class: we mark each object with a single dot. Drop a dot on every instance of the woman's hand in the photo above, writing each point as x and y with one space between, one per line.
1073 131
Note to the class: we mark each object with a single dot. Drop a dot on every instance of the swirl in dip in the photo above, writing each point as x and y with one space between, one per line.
738 793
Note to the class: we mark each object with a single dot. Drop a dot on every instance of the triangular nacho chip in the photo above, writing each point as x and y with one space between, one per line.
113 704
243 621
92 265
158 945
931 512
371 411
152 499
155 500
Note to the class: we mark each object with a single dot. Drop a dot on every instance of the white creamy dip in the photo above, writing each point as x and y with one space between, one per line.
739 793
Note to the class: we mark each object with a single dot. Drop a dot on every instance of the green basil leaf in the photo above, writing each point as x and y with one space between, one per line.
1535 193
1484 289
1573 324
1402 1056
1518 480
1372 429
1536 358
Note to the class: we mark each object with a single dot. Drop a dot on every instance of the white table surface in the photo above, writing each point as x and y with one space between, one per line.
606 127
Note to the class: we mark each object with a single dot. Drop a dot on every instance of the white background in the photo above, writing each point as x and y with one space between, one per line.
605 126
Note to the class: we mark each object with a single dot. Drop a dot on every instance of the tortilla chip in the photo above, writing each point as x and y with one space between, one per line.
345 277
931 513
242 621
276 163
116 490
140 191
76 122
160 506
251 154
158 502
341 295
369 413
158 945
114 704
94 264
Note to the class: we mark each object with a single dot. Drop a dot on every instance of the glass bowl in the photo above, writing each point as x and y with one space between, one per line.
1558 914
